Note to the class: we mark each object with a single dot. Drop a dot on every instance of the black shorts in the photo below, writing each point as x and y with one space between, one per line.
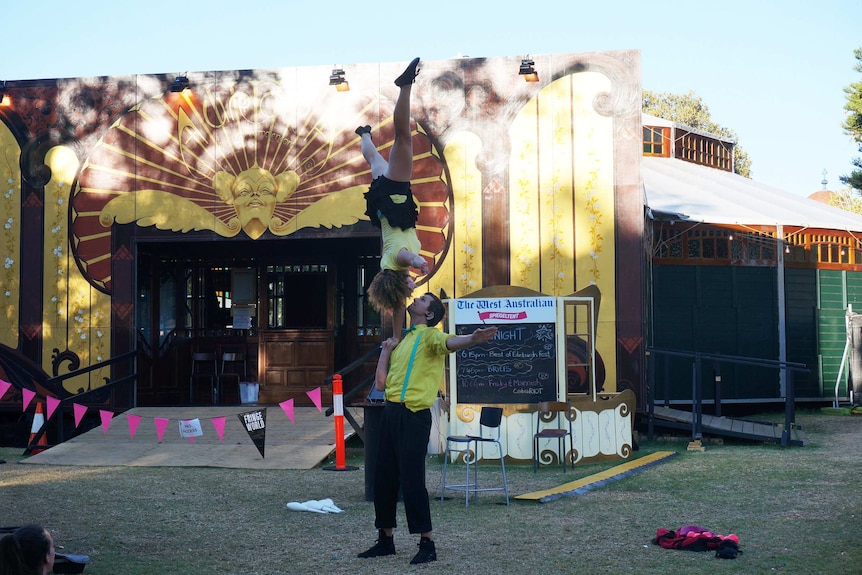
378 199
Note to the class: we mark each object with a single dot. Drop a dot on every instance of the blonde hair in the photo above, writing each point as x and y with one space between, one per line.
388 290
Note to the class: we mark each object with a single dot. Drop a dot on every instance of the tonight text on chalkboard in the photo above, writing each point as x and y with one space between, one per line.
519 365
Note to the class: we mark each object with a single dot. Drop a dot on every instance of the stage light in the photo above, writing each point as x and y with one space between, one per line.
180 84
528 70
338 80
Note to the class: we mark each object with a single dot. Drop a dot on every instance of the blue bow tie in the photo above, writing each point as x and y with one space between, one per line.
406 331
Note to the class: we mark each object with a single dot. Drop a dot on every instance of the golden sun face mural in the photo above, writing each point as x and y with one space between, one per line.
242 159
254 194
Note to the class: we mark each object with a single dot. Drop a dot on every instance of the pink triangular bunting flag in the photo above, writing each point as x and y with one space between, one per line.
4 387
53 402
161 426
134 420
287 407
79 410
28 397
218 423
106 419
314 395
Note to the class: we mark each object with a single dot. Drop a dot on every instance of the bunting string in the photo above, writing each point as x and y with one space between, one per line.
253 421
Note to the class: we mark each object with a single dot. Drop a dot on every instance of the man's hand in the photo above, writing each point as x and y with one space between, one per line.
484 335
390 344
478 337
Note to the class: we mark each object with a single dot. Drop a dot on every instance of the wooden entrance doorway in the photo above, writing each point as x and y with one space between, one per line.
295 310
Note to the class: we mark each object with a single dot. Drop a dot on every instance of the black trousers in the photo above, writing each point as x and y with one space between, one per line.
401 465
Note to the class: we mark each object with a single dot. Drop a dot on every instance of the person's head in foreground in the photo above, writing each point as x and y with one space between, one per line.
29 550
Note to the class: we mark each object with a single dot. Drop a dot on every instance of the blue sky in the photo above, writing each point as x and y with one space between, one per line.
772 70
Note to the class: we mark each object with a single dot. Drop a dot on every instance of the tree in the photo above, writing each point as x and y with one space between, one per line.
846 199
689 109
853 124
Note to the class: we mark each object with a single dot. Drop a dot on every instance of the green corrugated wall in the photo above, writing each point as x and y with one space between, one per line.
732 311
838 289
715 309
800 288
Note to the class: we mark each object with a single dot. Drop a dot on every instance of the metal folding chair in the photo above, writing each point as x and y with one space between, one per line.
204 367
468 445
556 417
233 366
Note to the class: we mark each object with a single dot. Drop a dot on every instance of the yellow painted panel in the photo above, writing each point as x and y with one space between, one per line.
460 271
594 182
562 198
524 199
444 273
10 238
465 252
76 316
594 209
557 187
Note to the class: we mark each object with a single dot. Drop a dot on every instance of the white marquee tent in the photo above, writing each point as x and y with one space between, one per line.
675 189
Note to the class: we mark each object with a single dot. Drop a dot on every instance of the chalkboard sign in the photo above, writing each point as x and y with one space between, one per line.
519 365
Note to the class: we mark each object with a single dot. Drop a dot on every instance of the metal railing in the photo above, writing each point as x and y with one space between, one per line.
787 367
105 394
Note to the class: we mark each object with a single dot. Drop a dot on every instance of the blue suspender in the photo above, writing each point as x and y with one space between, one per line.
410 366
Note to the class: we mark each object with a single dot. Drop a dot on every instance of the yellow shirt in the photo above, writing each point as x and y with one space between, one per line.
427 371
393 240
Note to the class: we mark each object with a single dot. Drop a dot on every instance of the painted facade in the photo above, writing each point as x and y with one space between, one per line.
534 185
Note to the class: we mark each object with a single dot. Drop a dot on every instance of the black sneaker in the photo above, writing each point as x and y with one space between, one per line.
363 130
385 545
427 552
409 74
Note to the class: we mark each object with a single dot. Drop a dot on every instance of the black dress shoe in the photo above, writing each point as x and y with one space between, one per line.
385 545
427 552
409 74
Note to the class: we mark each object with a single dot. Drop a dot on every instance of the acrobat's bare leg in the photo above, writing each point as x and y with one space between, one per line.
376 162
401 156
406 258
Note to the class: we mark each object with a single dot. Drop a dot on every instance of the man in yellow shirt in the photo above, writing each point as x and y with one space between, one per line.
409 373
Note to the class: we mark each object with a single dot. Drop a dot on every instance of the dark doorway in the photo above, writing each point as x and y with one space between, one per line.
295 309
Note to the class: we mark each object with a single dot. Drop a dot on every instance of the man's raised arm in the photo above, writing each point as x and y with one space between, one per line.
480 336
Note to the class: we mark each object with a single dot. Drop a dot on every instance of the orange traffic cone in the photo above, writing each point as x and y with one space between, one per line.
38 423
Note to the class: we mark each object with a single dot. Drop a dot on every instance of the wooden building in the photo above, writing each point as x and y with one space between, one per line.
742 269
223 212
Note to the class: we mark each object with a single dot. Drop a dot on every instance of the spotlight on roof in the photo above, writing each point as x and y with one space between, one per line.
528 70
338 80
180 84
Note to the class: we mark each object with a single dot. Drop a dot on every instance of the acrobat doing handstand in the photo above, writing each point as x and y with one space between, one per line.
390 205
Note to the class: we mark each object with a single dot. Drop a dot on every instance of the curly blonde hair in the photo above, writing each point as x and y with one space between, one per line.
389 290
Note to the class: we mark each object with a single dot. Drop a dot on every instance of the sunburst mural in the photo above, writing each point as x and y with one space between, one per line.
243 159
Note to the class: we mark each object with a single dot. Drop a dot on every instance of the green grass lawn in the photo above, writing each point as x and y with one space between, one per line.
795 510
